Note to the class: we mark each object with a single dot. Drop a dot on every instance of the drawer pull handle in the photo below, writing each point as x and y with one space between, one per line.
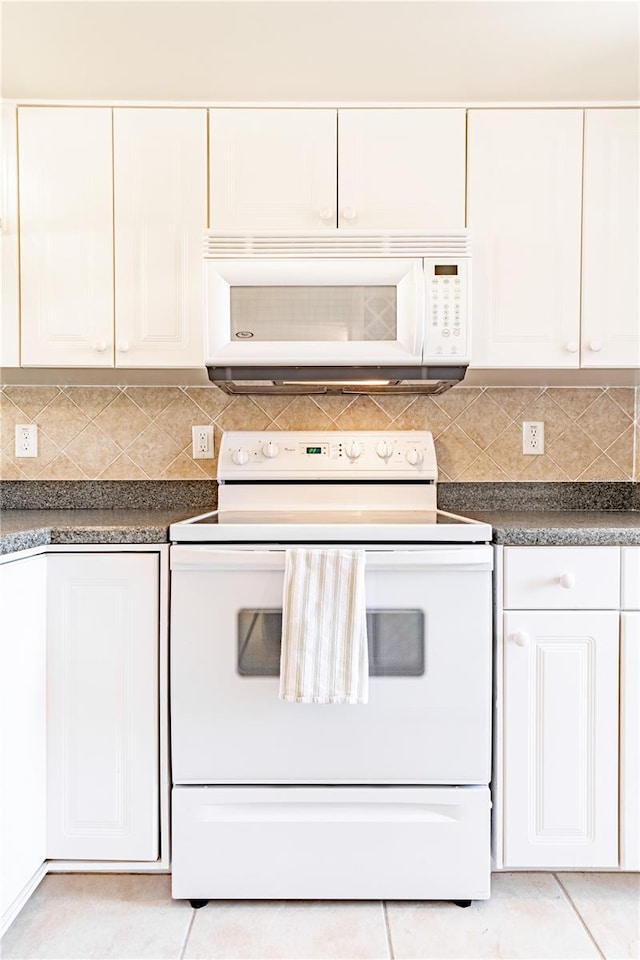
520 638
567 580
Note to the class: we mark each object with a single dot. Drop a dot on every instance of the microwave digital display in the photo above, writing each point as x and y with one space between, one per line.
446 270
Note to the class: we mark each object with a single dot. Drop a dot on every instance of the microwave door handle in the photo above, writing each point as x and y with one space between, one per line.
421 312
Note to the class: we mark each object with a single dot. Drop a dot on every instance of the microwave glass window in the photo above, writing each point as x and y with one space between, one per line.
334 314
396 640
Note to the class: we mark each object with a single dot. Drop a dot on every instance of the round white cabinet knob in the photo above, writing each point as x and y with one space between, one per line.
326 213
595 345
240 456
123 346
520 638
414 457
100 346
384 449
567 580
270 449
353 449
349 213
571 347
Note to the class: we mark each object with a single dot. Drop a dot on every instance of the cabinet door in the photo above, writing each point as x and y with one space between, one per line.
22 725
102 713
66 236
630 742
273 169
401 169
160 202
9 299
610 239
524 182
561 739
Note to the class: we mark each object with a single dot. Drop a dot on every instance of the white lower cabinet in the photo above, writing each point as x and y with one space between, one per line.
630 711
102 707
22 730
561 739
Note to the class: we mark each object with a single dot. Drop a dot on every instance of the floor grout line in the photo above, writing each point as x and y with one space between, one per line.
183 948
387 930
579 915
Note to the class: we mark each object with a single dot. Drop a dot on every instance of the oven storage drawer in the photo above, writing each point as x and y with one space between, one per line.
399 843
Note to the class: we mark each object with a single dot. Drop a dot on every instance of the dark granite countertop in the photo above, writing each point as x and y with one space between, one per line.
562 527
23 529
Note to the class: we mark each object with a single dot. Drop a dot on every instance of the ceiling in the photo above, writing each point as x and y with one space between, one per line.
327 50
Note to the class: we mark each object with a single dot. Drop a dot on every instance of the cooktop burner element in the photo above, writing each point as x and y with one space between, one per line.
329 487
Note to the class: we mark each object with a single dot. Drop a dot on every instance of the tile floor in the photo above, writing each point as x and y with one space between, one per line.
530 915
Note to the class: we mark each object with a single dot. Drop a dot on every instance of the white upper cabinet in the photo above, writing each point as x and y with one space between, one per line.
273 169
610 232
160 205
66 236
9 271
401 169
309 169
524 179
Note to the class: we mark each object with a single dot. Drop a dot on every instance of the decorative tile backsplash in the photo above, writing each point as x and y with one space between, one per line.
136 433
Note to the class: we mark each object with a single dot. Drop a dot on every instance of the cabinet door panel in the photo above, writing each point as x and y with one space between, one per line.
524 181
630 742
22 725
273 169
66 236
401 169
610 239
561 739
160 184
9 270
102 715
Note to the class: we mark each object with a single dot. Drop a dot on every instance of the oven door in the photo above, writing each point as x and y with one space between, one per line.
428 715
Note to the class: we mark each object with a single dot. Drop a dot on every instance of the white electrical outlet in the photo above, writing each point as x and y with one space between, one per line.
533 437
26 440
202 442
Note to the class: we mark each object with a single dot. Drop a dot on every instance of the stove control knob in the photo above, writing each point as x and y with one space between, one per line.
414 457
240 456
353 449
384 449
270 450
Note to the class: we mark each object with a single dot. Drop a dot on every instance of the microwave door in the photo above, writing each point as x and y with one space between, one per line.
339 312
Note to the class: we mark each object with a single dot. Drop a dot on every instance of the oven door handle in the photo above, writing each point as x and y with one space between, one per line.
476 557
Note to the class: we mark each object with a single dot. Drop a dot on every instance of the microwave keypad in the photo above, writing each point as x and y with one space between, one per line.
447 334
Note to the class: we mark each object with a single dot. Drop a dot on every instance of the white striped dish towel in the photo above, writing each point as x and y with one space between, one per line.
324 656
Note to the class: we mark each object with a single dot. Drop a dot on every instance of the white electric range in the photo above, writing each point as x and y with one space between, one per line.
389 800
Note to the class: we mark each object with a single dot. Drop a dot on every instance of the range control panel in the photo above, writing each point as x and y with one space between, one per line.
326 455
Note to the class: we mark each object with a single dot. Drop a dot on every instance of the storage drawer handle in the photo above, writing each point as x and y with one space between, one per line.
567 580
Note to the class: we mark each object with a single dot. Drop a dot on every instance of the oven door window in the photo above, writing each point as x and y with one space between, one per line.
396 642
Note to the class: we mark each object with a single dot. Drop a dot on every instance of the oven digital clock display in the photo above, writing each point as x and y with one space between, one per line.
314 449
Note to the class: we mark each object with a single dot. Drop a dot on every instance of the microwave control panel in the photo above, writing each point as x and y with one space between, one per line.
447 309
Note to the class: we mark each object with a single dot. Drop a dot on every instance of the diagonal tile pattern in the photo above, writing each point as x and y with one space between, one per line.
134 433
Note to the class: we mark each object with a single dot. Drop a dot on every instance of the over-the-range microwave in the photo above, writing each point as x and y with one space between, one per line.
337 311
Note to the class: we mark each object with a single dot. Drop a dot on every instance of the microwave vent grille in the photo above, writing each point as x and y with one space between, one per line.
336 245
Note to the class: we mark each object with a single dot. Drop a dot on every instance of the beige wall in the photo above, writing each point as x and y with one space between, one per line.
139 432
336 51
